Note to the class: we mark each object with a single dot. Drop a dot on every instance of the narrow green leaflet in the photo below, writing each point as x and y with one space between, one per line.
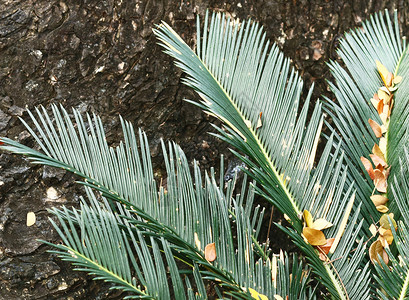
252 89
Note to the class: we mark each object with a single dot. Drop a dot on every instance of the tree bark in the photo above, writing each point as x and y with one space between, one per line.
102 57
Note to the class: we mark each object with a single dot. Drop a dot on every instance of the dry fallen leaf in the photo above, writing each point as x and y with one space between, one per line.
379 200
314 237
321 224
307 218
377 249
397 79
376 128
382 208
373 229
210 252
384 222
325 248
383 71
31 218
382 144
375 101
377 161
377 151
368 167
380 181
379 107
387 235
389 79
384 96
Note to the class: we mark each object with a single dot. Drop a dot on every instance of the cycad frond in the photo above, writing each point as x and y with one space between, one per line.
94 242
360 49
394 278
256 93
188 213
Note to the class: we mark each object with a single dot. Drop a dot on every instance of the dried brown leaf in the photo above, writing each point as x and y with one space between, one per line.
382 209
373 229
377 249
378 152
384 222
383 71
389 79
380 181
308 218
375 127
368 167
210 252
379 200
314 237
325 248
379 107
397 79
321 224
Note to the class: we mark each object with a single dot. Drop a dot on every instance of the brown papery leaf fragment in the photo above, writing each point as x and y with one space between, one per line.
377 249
380 181
384 96
379 107
378 152
375 101
379 200
377 161
389 79
383 71
314 237
376 128
373 229
210 252
384 221
388 236
382 209
368 167
325 248
397 79
321 224
382 144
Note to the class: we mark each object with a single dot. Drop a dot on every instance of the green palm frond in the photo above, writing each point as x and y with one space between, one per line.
235 72
378 39
189 213
254 91
94 242
394 278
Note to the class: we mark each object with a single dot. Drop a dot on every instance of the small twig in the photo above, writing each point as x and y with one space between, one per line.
268 230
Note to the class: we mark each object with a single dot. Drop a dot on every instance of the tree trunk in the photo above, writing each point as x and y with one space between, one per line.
102 57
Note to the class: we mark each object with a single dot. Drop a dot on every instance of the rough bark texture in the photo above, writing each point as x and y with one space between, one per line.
101 56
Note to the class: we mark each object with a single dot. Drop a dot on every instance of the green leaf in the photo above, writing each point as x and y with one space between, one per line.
378 39
241 79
